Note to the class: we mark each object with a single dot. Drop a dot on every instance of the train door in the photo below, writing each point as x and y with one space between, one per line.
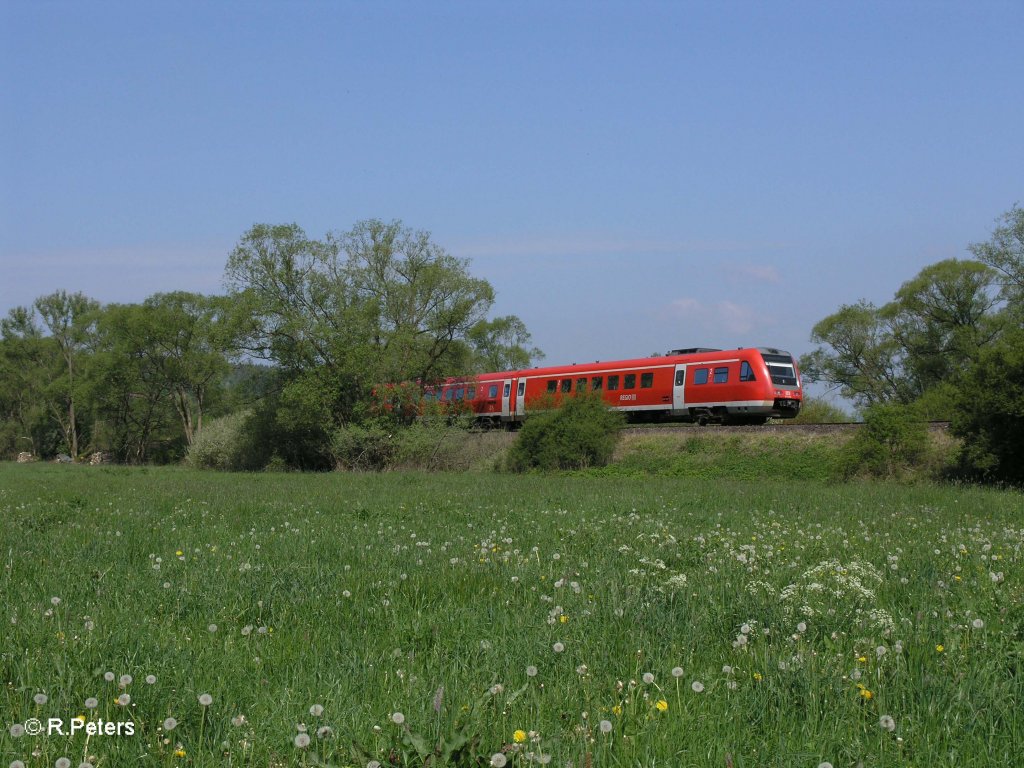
678 390
506 401
521 398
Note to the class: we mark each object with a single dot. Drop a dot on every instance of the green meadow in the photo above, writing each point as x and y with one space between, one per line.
482 619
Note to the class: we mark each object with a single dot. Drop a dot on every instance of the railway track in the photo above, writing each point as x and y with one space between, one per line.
771 428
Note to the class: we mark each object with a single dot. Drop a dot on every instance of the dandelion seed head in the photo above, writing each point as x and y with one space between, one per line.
170 724
648 678
17 730
697 686
205 699
397 718
316 710
605 726
40 699
558 647
677 671
887 723
302 740
62 762
498 760
531 671
91 703
124 699
212 628
978 624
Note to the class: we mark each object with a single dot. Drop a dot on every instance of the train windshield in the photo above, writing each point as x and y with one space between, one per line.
780 368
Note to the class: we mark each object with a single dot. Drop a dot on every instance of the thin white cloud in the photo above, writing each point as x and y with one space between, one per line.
597 245
714 316
759 273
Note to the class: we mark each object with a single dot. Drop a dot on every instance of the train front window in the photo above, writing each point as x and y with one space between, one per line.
746 372
780 368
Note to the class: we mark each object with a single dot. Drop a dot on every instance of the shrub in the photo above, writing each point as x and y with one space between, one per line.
990 414
367 446
816 411
226 443
892 442
581 433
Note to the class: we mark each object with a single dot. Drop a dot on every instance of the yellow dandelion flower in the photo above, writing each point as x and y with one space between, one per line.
519 736
940 648
179 753
661 706
564 619
866 694
862 659
178 552
617 709
758 676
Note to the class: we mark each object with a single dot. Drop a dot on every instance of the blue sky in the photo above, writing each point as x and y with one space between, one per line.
630 177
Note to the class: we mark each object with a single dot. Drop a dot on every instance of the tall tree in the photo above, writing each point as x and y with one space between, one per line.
69 319
864 361
502 344
942 318
1004 252
187 333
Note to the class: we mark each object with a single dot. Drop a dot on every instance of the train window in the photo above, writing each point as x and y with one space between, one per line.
567 385
646 380
492 391
508 388
613 383
522 388
721 375
471 393
596 382
680 377
746 372
449 394
629 381
552 386
700 376
581 385
460 393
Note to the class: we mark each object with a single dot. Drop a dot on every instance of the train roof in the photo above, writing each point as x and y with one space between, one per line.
696 354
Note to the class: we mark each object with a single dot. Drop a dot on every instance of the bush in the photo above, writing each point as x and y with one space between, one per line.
369 446
990 414
816 411
581 433
892 442
226 443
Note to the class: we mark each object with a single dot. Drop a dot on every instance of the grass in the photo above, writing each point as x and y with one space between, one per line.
807 612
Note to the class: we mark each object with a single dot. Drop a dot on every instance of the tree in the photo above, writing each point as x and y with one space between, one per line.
422 300
69 319
865 361
26 359
502 344
942 318
989 416
187 334
380 303
926 337
1004 252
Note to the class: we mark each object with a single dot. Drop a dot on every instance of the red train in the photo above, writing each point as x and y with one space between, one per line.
735 386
